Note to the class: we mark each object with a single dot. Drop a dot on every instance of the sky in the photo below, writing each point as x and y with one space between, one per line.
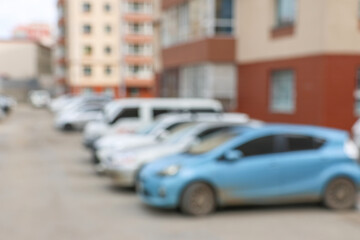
19 12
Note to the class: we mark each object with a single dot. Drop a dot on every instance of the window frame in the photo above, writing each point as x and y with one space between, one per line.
279 21
272 100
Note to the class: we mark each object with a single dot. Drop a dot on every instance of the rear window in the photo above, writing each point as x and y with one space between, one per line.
211 142
301 143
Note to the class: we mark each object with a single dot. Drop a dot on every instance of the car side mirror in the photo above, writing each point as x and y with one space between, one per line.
234 155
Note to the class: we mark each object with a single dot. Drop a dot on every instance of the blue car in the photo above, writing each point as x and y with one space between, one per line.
267 164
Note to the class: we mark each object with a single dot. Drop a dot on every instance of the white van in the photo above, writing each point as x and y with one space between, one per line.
128 115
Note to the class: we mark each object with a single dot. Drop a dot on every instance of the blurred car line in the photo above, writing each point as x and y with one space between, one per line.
188 154
7 104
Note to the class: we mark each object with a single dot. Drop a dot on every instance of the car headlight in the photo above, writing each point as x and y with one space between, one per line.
170 171
126 161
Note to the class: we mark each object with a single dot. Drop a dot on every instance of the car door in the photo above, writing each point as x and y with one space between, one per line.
299 165
254 176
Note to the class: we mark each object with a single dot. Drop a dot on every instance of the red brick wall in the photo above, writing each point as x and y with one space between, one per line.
325 87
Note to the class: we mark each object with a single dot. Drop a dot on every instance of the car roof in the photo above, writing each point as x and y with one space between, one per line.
180 101
310 130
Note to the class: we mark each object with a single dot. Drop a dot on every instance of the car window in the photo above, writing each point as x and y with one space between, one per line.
301 143
158 112
259 146
127 113
210 142
202 110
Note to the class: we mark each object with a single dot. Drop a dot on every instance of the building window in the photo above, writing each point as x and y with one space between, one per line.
87 70
87 91
109 92
282 91
357 94
86 7
87 50
108 70
108 28
108 50
285 12
135 28
107 7
224 17
134 92
87 29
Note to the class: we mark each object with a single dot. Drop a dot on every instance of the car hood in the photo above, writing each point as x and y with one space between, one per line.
151 153
184 160
124 141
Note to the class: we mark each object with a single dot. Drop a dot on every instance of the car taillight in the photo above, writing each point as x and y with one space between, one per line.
351 150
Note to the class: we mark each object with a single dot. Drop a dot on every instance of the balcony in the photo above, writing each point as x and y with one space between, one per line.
61 22
139 83
216 49
61 3
138 17
138 38
131 59
61 41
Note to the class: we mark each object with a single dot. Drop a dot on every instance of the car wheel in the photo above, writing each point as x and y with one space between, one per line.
68 127
198 199
340 194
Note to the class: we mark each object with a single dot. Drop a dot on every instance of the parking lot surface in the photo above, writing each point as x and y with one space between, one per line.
49 190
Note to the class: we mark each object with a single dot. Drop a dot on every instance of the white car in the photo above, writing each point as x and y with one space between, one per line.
58 103
160 130
129 115
123 166
77 118
40 98
7 104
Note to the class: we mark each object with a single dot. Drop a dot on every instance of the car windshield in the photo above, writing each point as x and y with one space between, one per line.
178 132
147 129
211 142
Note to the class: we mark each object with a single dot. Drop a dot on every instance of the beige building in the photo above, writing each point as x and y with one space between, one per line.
25 65
293 61
105 46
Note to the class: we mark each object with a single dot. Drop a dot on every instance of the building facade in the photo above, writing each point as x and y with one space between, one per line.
105 46
294 61
35 32
198 50
25 66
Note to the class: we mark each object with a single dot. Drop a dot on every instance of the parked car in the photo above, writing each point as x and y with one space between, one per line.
129 115
257 165
77 118
2 114
78 101
160 131
39 98
60 102
7 104
124 166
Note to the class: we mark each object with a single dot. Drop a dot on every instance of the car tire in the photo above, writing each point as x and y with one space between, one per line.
340 194
198 199
68 127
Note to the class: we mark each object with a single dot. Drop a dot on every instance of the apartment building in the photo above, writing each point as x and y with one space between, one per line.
137 40
198 50
295 61
105 46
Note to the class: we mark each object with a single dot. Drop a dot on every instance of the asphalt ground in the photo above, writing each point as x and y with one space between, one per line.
49 191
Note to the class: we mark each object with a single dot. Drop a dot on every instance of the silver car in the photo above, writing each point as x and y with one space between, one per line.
123 166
